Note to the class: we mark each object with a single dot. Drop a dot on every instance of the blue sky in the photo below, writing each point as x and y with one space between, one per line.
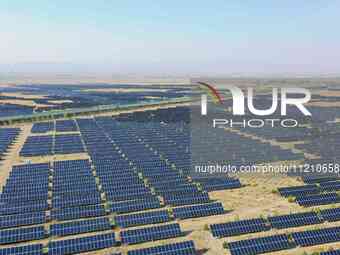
171 37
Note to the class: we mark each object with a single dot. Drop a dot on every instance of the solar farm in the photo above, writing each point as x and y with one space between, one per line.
122 182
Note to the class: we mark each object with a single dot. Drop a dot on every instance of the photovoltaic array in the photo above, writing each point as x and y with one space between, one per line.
141 235
137 182
182 248
7 138
314 194
279 242
239 227
49 145
42 127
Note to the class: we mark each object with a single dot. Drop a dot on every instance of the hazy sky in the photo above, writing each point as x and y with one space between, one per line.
173 37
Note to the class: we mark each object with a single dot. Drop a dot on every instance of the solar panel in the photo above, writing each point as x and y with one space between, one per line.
7 137
78 212
320 199
168 183
297 191
21 234
318 179
128 195
222 183
66 144
42 127
76 201
185 188
78 227
294 220
330 186
239 227
17 208
74 191
34 249
314 237
128 190
74 186
66 126
135 205
182 248
150 234
195 198
26 190
198 210
37 146
14 198
143 218
17 220
121 185
334 252
332 214
82 244
260 245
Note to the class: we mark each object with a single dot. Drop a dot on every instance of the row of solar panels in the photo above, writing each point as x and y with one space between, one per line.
319 178
280 134
92 244
167 115
124 221
313 194
176 198
49 145
109 126
155 173
58 126
64 167
188 199
65 191
7 137
208 145
172 141
28 187
208 186
274 222
74 185
285 241
130 236
325 146
223 183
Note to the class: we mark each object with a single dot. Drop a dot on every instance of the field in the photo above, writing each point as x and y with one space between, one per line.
99 179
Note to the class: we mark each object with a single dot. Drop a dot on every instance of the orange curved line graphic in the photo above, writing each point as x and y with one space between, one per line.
213 91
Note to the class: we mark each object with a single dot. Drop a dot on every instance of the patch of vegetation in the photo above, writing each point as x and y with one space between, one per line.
275 191
291 199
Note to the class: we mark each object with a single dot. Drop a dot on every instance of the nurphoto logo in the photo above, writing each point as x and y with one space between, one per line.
238 107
